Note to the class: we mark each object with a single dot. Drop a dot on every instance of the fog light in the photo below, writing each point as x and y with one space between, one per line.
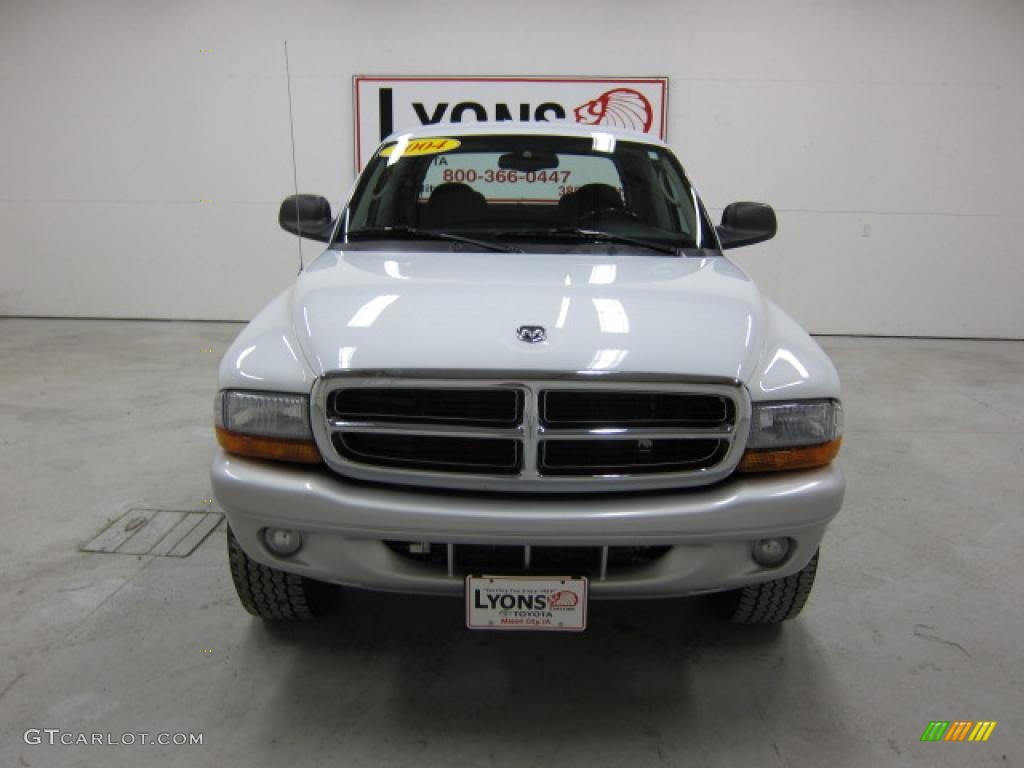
282 541
769 552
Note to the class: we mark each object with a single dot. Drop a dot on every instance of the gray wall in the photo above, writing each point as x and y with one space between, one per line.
887 134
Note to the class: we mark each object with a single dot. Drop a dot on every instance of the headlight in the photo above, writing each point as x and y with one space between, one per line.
265 426
793 435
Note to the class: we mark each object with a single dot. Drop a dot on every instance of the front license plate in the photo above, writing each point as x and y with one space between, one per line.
556 603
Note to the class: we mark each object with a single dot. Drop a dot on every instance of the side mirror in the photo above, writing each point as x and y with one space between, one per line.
306 216
746 224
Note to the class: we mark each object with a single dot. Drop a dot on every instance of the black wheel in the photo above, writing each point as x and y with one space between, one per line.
770 602
273 594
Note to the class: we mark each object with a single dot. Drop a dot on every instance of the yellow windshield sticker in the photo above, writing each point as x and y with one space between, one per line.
426 146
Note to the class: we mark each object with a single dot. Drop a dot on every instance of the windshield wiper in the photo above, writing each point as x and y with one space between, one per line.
593 235
428 234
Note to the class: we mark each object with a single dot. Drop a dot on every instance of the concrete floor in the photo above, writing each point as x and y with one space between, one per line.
916 616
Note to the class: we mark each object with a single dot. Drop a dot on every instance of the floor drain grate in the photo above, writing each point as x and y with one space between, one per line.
159 532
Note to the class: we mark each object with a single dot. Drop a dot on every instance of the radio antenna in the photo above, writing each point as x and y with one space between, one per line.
291 127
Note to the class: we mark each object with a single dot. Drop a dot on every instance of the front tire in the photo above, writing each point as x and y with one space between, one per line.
274 594
770 602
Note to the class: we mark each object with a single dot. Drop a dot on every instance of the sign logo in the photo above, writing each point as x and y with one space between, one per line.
386 105
618 108
531 334
958 730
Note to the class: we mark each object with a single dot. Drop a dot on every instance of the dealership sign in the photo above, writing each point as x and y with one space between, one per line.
384 105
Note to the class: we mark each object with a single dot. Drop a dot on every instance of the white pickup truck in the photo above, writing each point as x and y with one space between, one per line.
524 373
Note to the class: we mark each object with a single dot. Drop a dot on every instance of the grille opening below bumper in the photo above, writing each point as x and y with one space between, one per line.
458 560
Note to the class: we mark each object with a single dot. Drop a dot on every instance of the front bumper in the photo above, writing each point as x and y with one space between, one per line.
344 524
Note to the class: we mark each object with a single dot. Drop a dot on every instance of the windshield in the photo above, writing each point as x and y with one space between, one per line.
521 189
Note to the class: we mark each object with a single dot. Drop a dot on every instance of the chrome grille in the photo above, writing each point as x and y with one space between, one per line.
529 432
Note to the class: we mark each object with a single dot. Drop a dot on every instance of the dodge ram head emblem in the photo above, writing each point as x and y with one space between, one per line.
531 334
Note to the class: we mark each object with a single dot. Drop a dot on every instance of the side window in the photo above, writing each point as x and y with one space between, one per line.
374 185
481 172
386 202
656 192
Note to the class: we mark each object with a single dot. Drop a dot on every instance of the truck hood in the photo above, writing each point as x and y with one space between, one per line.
692 316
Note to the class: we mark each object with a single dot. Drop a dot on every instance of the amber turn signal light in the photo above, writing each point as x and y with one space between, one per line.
789 458
275 449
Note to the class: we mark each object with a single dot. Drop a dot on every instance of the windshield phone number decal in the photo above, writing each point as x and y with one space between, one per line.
491 176
510 185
